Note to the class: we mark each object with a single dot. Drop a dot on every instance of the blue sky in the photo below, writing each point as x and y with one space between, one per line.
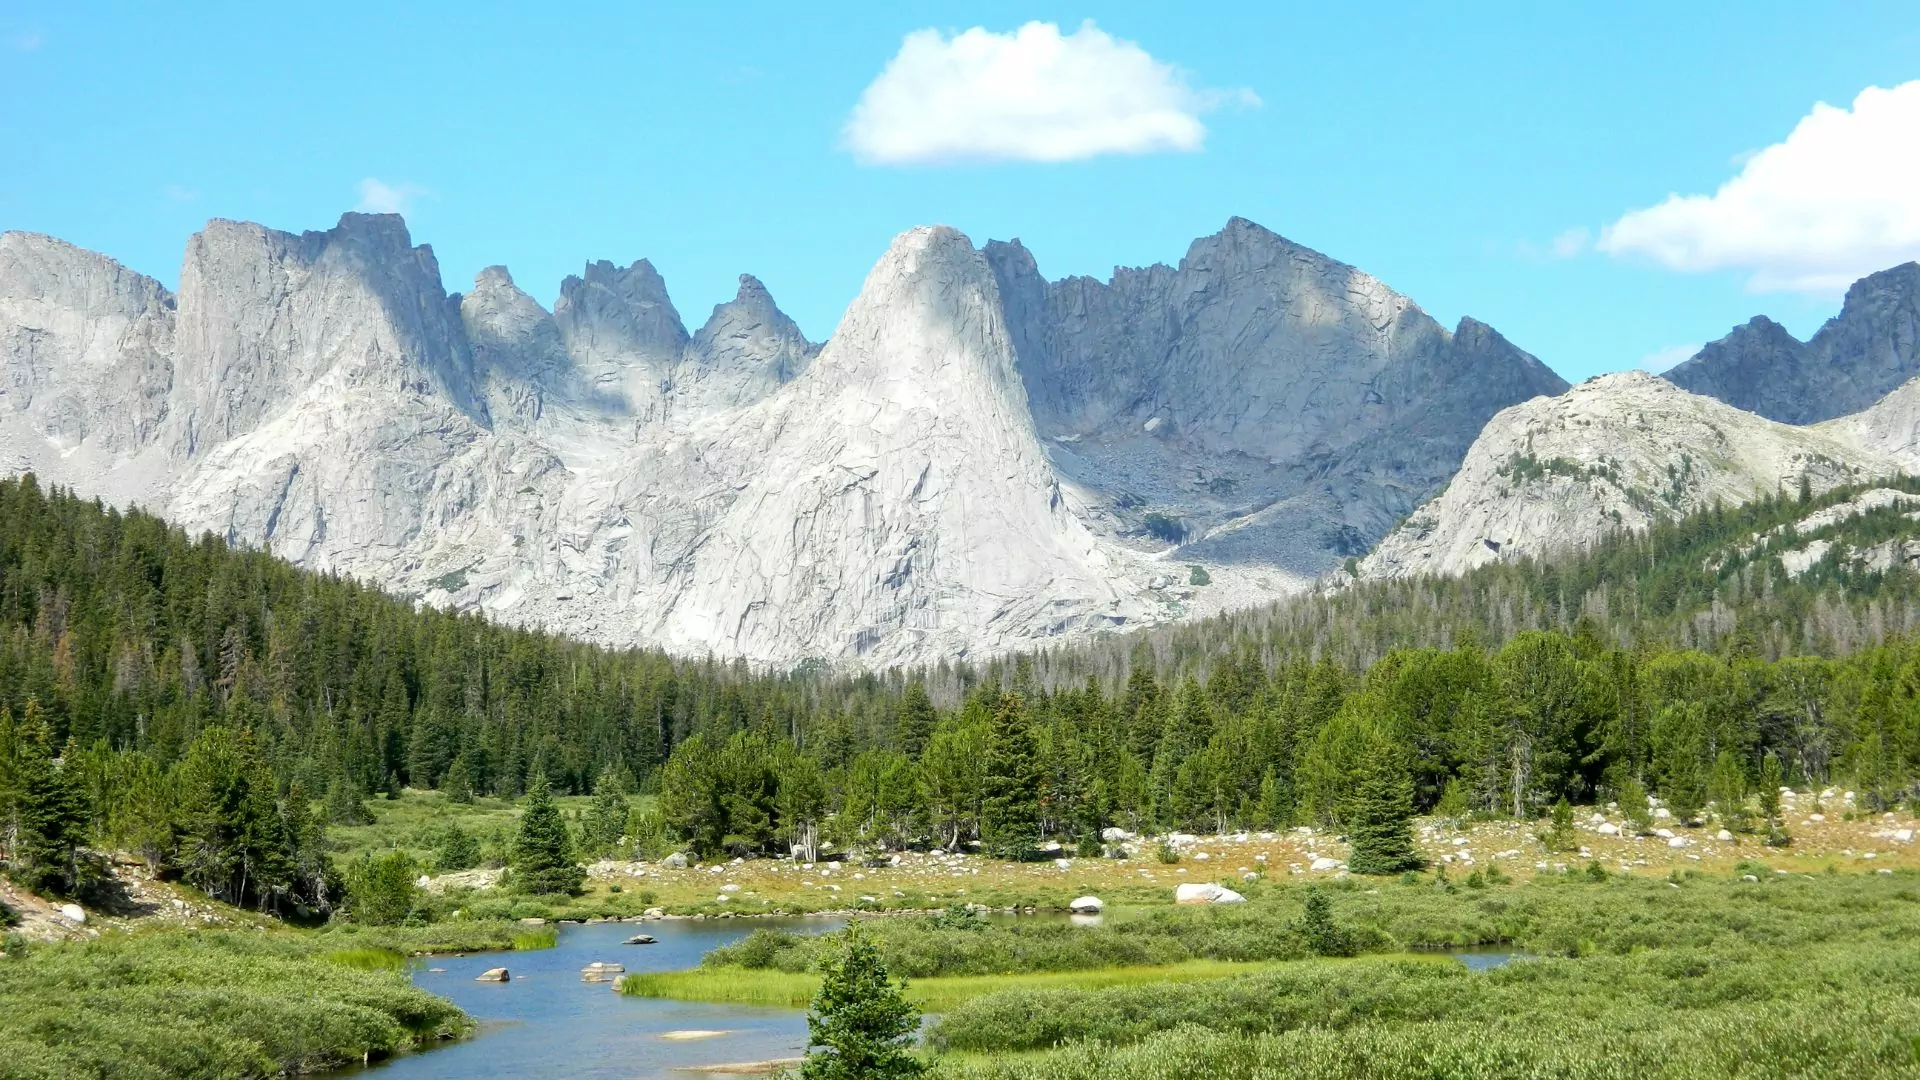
1448 152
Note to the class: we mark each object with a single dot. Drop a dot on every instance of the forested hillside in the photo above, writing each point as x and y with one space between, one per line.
172 683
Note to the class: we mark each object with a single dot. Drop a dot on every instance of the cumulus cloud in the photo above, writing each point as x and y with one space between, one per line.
1031 95
1661 360
379 197
1838 199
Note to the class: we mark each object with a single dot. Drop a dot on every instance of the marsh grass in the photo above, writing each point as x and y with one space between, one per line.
786 989
212 1005
367 959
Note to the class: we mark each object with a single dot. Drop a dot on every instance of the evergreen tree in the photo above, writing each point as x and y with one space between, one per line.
1728 790
1379 820
455 849
542 855
1771 778
381 890
917 719
343 805
606 819
1634 806
860 1027
1010 790
1323 936
458 781
50 812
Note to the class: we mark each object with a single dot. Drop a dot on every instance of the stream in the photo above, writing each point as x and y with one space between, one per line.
547 1023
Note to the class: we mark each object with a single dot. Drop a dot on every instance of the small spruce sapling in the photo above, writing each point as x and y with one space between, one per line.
860 1028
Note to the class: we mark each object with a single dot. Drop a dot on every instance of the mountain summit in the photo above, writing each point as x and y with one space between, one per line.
1858 357
979 460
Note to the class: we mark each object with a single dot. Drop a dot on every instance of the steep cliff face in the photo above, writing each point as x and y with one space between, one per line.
1278 404
903 503
623 332
264 314
1859 356
978 461
86 346
1619 452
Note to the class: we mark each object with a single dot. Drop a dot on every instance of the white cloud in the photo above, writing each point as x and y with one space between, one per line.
29 42
1838 199
1030 95
379 197
180 193
1661 360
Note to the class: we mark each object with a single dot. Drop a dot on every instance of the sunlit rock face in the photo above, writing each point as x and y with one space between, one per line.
979 460
1620 452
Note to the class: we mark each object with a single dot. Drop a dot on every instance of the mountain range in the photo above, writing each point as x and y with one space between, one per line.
978 460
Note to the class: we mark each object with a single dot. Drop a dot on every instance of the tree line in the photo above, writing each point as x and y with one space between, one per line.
148 670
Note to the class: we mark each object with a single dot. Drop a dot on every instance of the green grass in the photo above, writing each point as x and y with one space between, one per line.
787 989
209 1005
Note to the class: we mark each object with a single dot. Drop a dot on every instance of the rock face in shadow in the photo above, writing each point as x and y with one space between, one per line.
979 460
1858 357
1282 406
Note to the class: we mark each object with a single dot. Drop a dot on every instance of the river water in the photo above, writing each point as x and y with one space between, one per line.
547 1023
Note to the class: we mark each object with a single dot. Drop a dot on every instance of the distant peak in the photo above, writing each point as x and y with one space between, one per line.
1896 280
493 275
387 228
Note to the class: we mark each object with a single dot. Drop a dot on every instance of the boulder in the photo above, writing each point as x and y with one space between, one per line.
1200 892
73 913
1087 905
1062 863
642 939
1112 834
498 975
1321 862
533 921
677 860
1609 829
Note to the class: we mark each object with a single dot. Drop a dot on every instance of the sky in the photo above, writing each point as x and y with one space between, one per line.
1609 185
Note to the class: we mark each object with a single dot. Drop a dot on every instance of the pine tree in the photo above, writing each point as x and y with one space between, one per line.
1010 794
458 781
862 1026
542 855
916 722
1728 788
1379 820
606 818
455 849
343 805
1771 777
50 810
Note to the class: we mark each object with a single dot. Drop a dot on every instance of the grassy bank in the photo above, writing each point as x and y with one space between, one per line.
1862 1038
1755 974
795 990
214 1005
230 1005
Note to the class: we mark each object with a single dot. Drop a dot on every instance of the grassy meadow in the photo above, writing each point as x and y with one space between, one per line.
1747 974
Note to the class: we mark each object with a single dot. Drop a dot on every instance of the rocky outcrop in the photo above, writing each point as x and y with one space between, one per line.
1860 355
1273 404
1618 452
